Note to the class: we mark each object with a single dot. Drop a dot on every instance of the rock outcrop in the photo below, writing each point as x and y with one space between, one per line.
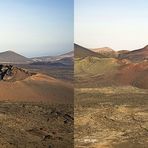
12 73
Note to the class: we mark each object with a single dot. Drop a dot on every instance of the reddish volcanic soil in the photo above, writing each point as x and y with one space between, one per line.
37 87
133 74
136 55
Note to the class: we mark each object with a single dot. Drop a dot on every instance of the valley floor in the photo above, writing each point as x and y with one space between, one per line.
35 125
111 117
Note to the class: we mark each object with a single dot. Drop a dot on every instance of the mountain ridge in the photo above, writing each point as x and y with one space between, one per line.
106 51
13 57
136 55
82 52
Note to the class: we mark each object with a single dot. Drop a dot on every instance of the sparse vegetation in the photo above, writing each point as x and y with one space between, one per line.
111 117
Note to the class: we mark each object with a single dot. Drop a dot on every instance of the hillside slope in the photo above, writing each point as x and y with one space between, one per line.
36 88
12 57
82 52
136 55
110 72
92 66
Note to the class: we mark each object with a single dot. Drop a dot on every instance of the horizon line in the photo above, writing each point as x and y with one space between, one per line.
10 50
110 47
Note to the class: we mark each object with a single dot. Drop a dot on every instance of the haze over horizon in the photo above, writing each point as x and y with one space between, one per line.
36 27
120 25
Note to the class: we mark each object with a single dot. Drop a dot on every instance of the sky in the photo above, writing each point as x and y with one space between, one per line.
36 27
118 24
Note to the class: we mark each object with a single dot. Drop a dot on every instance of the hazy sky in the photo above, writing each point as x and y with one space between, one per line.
119 24
36 27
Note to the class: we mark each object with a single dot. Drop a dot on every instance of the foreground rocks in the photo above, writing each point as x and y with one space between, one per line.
35 125
111 118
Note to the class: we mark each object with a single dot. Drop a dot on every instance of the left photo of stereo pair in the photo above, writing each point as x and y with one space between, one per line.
36 74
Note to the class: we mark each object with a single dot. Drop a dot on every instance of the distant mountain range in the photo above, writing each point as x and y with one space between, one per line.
134 55
57 63
53 58
79 52
15 58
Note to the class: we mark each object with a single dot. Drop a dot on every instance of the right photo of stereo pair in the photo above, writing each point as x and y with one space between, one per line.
111 74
